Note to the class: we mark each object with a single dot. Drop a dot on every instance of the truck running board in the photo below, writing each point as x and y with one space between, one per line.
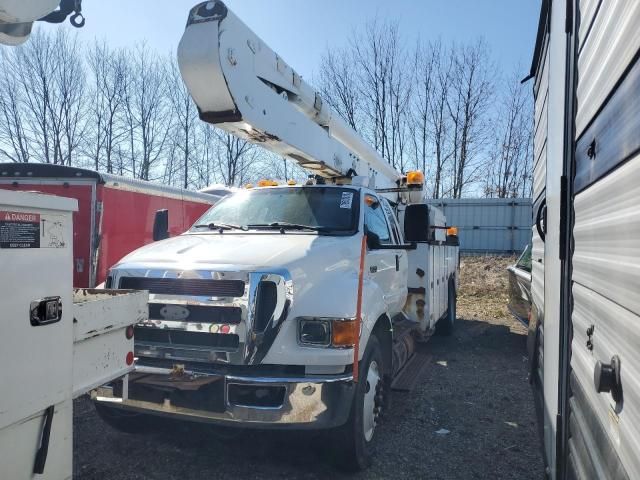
407 378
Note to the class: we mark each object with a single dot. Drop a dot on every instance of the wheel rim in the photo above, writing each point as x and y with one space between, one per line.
372 406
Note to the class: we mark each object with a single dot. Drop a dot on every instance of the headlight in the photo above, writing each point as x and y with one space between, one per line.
315 332
327 332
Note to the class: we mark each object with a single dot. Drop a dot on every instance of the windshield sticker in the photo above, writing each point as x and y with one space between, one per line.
345 201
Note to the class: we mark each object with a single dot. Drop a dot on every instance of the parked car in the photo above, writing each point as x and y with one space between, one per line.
520 287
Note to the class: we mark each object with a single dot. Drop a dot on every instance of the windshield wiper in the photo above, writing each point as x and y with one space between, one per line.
221 226
287 226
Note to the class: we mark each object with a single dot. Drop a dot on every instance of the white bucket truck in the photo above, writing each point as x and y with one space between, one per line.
289 306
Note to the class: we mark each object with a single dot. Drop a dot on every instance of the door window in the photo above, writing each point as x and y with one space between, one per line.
391 220
524 262
374 220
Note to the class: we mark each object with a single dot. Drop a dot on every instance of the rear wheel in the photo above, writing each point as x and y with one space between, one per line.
123 420
352 442
445 325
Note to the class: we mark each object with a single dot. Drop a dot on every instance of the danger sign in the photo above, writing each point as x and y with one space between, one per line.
19 230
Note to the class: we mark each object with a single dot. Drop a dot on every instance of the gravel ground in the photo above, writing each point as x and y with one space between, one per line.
470 417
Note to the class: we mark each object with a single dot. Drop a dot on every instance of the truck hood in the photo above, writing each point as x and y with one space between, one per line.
251 251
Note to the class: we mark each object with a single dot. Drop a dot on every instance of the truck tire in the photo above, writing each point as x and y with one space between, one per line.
122 420
352 442
445 324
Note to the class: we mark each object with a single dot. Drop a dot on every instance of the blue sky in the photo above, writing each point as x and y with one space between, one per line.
301 30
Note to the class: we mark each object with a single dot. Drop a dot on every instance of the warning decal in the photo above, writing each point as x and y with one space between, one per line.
53 227
19 230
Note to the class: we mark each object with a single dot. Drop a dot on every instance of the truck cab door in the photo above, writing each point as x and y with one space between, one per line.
400 281
386 267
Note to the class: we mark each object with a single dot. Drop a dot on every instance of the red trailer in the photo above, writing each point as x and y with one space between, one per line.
115 214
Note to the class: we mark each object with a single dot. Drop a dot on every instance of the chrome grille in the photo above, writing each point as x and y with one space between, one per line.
250 307
198 313
169 337
185 286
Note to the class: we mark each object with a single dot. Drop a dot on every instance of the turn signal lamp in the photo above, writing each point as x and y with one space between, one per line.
452 231
343 333
415 177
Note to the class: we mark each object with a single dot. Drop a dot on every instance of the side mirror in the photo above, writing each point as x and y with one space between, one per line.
416 223
161 225
373 240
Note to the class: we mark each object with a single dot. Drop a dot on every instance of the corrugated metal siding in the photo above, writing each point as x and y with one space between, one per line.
604 435
612 41
541 95
540 171
489 225
606 274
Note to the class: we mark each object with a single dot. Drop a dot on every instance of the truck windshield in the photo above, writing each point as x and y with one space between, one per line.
326 210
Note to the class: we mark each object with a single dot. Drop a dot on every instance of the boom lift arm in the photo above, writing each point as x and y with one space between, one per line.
17 16
242 86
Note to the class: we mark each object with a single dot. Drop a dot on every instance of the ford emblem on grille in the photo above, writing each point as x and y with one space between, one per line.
174 312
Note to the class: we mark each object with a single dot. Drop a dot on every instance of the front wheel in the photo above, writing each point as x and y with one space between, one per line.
352 442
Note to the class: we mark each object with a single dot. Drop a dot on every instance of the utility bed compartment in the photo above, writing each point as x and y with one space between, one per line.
100 321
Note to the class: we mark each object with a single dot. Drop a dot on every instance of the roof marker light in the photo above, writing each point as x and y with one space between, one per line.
415 177
267 183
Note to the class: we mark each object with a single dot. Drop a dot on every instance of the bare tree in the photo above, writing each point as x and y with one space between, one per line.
235 157
400 91
338 85
14 138
510 163
468 105
425 60
185 117
382 80
439 124
33 63
107 69
70 83
205 168
432 107
50 78
147 112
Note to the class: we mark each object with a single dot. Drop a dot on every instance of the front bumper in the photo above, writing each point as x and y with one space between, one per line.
309 402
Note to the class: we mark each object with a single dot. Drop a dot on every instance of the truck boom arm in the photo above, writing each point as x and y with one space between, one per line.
245 88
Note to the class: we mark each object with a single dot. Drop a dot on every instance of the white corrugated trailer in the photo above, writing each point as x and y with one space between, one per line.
55 344
584 341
